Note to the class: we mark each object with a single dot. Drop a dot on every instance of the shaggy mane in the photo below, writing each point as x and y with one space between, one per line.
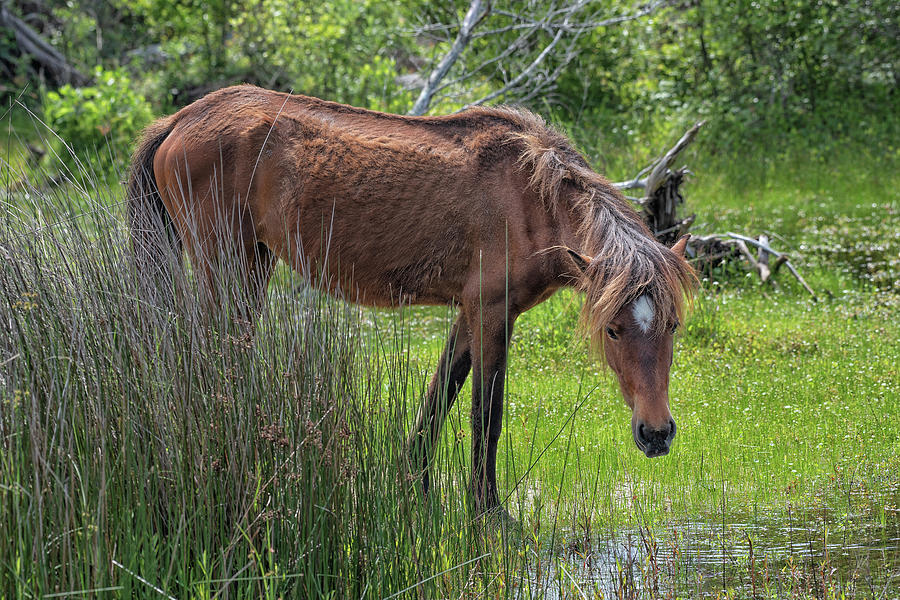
627 261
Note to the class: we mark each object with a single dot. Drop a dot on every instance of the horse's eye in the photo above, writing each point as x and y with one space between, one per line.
674 327
612 334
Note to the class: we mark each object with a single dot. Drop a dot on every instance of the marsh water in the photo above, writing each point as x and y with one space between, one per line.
809 553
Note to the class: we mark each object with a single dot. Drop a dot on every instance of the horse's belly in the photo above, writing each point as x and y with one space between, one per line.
420 280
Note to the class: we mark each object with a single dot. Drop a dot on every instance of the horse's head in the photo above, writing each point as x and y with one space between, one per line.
637 341
641 355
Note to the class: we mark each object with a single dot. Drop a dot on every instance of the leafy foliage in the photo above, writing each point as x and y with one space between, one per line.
110 113
344 50
756 66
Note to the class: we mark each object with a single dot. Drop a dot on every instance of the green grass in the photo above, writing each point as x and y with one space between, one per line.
755 365
777 395
144 445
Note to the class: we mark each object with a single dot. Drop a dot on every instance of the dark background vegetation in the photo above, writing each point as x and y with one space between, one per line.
760 69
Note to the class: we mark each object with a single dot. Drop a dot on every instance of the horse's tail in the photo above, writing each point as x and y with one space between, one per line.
155 242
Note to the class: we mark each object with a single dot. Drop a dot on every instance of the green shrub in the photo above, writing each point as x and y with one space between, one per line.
102 119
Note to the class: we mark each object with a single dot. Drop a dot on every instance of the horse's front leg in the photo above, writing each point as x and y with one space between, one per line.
491 330
454 367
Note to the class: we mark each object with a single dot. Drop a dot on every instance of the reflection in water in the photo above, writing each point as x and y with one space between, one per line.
810 554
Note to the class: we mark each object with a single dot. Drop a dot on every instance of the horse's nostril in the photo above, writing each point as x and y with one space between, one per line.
671 429
641 435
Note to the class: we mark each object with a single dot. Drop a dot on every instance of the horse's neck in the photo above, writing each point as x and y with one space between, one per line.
574 229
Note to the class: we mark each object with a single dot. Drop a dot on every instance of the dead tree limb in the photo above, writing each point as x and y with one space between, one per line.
781 257
658 169
521 64
762 259
662 194
713 249
524 74
478 10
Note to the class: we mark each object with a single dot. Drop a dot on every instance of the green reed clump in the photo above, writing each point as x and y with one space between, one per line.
157 439
151 446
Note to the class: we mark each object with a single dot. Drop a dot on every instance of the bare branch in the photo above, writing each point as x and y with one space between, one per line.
658 174
742 246
762 259
778 255
507 52
541 85
636 182
521 76
525 78
478 10
659 168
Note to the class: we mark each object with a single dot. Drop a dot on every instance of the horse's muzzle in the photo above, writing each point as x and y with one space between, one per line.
654 442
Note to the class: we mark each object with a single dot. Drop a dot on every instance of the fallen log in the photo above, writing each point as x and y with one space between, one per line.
31 43
661 188
659 205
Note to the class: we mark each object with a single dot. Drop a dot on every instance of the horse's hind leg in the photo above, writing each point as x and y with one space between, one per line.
237 274
454 366
259 263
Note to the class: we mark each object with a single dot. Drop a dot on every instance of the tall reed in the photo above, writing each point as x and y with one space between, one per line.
151 444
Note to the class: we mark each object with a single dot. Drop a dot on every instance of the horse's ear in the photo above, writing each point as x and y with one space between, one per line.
681 244
580 259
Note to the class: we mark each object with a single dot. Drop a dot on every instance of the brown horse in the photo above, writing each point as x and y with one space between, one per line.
489 210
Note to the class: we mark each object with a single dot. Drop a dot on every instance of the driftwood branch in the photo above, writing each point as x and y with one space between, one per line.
658 175
762 260
32 44
712 249
637 182
781 257
661 189
658 169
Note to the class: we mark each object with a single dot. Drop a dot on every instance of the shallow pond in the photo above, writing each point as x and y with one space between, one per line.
807 553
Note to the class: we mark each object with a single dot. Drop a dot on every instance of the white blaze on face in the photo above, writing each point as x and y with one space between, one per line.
642 309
